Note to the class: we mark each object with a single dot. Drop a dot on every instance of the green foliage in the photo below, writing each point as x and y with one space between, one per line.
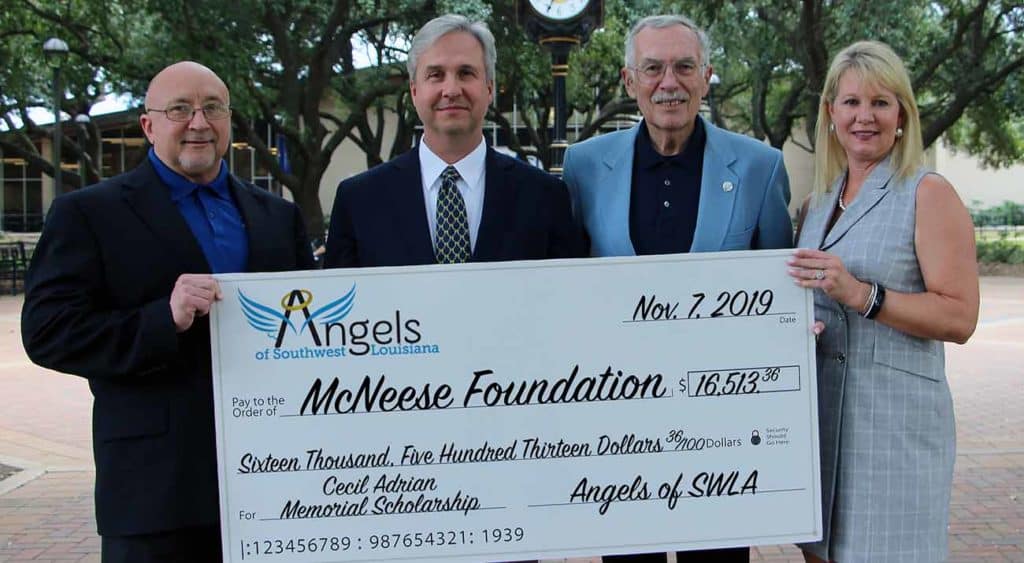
964 59
106 41
594 70
1002 251
1008 213
993 127
293 63
476 10
1000 232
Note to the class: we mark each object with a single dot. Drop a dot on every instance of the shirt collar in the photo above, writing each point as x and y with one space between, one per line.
181 186
470 168
646 157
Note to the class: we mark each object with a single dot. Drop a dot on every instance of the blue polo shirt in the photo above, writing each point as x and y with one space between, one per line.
212 215
665 194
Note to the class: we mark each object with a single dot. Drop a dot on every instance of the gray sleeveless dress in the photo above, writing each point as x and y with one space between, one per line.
887 430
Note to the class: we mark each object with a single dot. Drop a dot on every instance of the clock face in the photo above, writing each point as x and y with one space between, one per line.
559 9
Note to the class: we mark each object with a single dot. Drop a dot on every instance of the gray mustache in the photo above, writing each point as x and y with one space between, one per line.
659 98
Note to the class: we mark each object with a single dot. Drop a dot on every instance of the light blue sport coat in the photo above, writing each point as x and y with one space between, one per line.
744 193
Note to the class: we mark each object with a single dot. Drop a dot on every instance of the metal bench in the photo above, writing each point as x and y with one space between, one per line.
13 264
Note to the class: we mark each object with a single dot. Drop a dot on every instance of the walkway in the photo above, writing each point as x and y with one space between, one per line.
46 509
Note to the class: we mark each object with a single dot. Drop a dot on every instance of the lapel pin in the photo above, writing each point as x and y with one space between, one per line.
726 186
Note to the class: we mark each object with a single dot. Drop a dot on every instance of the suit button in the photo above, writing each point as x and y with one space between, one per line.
668 182
667 204
841 358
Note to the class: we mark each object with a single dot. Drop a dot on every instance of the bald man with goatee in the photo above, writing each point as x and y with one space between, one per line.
118 293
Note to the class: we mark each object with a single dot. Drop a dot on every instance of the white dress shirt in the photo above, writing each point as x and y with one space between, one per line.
470 184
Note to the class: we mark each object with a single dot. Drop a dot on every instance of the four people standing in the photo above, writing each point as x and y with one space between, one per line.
120 282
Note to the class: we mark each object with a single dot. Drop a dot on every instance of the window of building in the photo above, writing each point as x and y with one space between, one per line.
22 201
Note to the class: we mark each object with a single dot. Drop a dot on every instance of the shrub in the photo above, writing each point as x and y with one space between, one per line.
1005 251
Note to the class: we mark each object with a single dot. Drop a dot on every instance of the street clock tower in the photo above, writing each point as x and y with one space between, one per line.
559 25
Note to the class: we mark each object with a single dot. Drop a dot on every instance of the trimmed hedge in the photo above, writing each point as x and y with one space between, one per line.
1003 250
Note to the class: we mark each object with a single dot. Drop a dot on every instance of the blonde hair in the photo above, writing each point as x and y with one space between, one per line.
877 64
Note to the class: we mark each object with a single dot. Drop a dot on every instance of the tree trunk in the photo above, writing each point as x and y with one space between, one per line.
308 200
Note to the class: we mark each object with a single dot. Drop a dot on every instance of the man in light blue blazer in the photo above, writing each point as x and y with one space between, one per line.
676 183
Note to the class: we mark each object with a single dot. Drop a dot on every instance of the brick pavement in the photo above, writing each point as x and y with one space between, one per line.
46 509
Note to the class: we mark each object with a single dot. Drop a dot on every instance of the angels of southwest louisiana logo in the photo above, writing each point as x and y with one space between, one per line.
301 328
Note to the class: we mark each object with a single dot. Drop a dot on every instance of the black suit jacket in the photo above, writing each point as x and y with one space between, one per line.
380 219
97 305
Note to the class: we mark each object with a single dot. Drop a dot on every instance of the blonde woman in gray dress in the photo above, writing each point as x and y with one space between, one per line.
888 248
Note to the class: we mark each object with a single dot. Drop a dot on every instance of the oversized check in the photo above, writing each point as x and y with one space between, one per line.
492 412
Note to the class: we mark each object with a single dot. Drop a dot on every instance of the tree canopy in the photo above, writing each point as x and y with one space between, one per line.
99 62
964 58
298 65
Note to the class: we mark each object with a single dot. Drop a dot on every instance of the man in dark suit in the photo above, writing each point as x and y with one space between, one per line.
452 199
118 292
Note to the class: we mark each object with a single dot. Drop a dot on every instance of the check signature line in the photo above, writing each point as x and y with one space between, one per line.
657 499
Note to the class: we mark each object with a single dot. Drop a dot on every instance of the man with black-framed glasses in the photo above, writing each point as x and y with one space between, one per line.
675 182
118 292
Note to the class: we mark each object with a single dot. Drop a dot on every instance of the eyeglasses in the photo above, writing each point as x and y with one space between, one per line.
653 71
212 111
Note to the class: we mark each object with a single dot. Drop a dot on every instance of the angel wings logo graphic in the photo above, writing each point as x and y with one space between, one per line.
275 323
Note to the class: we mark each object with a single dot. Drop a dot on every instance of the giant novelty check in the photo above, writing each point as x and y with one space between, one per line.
493 412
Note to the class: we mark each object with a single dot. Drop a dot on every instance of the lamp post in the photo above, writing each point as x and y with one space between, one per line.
559 48
713 85
55 51
82 121
559 27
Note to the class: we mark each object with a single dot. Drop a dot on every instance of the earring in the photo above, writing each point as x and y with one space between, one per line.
899 132
832 128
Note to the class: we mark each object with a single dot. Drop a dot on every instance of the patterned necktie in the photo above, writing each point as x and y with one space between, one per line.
452 226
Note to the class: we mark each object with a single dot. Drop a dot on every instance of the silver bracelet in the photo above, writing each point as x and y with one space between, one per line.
871 299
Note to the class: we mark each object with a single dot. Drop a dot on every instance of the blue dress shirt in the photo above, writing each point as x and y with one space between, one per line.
212 216
665 194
